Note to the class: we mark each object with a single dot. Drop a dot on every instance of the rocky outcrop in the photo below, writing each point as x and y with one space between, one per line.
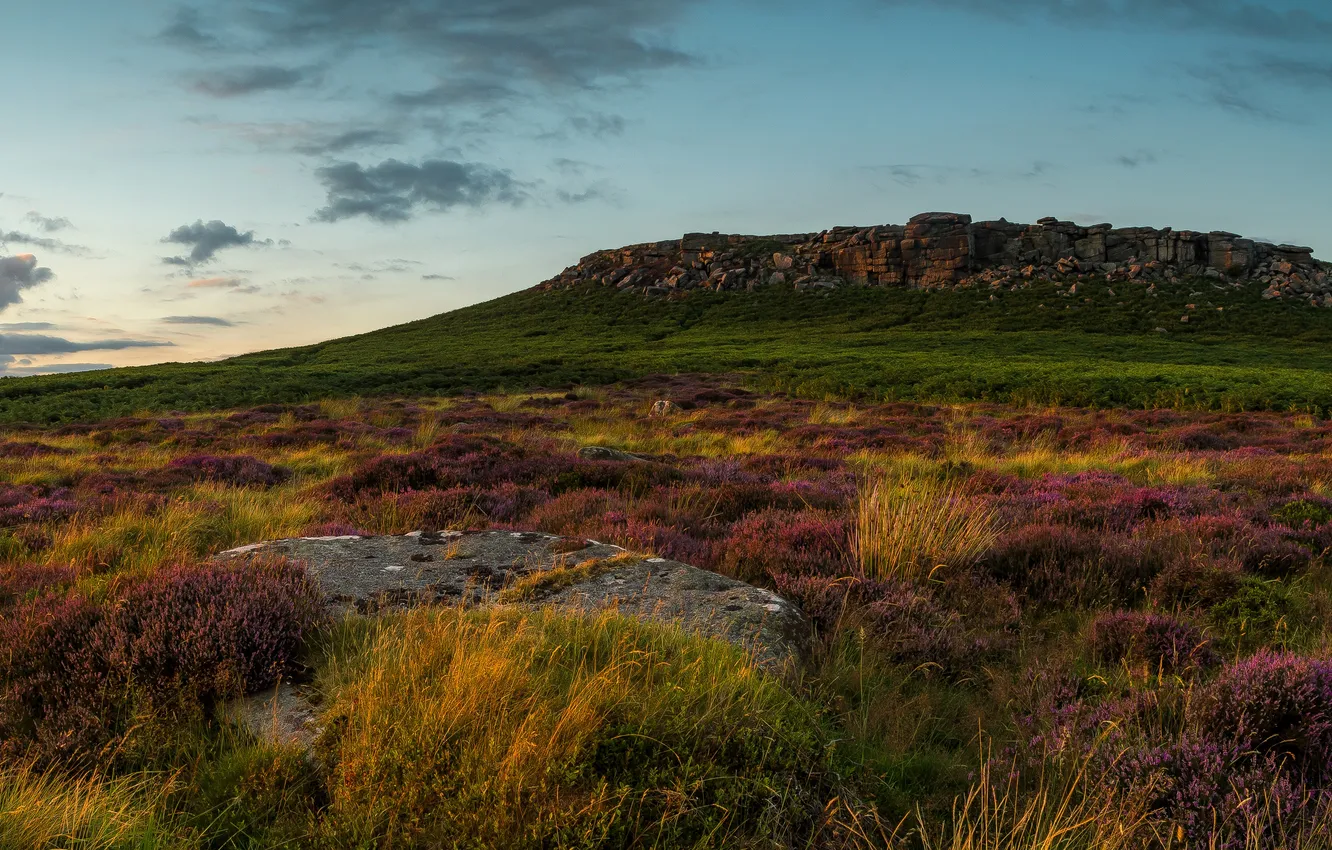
948 250
366 575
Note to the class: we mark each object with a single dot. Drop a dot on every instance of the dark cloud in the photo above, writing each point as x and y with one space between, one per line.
17 273
198 320
46 243
393 191
251 79
48 225
1308 22
437 277
343 141
43 344
483 57
207 239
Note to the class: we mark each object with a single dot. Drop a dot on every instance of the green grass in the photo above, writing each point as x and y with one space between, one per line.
1034 346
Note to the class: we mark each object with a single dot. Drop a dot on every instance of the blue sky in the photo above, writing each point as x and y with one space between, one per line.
184 182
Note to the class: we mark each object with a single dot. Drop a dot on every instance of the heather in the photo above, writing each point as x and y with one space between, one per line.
1005 601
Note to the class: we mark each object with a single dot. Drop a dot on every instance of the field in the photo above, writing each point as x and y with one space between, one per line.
1103 348
1043 626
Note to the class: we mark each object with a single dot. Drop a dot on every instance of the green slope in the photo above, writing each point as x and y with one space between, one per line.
1030 346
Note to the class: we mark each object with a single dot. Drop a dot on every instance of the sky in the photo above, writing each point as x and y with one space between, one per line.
185 182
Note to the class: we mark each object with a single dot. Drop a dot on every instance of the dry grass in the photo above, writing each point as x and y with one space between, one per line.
39 810
206 519
1055 815
524 729
909 524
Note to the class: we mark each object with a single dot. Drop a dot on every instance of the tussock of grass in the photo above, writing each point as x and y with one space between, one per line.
41 810
908 524
209 518
522 729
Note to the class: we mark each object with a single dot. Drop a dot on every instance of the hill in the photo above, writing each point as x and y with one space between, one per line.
1188 340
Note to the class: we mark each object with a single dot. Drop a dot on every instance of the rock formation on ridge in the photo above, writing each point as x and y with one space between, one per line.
949 250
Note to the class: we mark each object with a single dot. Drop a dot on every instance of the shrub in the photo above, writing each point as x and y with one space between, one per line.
782 541
1273 703
73 671
1163 642
236 470
217 630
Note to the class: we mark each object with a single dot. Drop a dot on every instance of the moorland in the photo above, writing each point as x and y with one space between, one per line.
1063 558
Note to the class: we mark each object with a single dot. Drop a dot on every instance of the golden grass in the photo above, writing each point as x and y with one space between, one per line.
908 524
205 519
1055 815
451 725
40 810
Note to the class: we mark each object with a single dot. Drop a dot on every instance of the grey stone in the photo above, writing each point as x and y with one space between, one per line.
367 575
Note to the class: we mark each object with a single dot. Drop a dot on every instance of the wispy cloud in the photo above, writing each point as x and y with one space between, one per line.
11 343
215 321
251 79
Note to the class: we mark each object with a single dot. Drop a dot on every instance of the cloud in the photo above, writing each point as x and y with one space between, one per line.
602 190
250 79
198 320
26 326
393 191
437 277
186 30
1136 159
207 239
49 369
215 283
340 142
482 58
1308 22
44 242
17 273
1306 74
48 225
42 344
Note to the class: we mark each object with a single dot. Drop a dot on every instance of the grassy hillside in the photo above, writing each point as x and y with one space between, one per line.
1236 352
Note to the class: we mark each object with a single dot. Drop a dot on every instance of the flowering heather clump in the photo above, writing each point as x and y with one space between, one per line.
1163 642
70 668
32 504
18 581
30 450
783 541
236 470
219 629
1273 703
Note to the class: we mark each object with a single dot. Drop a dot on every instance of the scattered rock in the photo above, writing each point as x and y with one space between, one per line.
665 407
604 453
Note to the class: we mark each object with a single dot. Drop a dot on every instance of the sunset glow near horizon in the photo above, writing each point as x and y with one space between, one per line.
187 182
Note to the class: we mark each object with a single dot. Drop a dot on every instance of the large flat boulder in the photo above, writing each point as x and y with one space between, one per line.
366 575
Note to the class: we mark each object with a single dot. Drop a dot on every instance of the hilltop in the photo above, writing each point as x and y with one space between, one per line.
853 313
950 251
